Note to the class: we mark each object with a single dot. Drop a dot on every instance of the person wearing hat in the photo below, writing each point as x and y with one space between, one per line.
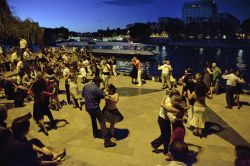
93 95
111 114
216 78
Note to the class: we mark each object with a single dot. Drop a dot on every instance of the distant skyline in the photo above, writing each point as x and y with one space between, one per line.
91 15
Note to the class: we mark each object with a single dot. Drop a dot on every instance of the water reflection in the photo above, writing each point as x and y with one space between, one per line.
164 52
240 61
218 52
201 51
183 57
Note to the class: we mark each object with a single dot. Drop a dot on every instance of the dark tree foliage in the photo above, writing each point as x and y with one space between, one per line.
245 26
174 28
51 35
140 32
12 27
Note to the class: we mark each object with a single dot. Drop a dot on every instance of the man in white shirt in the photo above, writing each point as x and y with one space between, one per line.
66 75
65 58
82 74
231 83
105 67
86 65
1 50
22 45
19 66
14 60
27 54
166 68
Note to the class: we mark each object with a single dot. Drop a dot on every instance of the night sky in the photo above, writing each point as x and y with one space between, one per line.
90 15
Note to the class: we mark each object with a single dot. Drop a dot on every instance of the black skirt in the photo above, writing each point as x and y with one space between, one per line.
112 116
39 110
134 72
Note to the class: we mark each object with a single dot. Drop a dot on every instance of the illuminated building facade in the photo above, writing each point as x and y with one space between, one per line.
198 11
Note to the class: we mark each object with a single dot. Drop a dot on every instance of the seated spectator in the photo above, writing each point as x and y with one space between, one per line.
15 92
242 155
178 153
18 150
4 132
9 88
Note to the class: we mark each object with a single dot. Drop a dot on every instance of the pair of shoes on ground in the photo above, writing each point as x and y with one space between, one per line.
168 157
157 151
54 127
198 134
45 131
228 107
109 143
191 128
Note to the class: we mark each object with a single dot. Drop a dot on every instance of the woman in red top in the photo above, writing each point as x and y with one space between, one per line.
40 90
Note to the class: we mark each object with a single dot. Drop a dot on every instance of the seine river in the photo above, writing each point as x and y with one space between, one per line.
195 58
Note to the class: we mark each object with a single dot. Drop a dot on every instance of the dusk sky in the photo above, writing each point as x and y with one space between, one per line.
90 15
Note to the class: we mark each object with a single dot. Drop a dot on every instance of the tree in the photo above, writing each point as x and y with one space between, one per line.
12 27
174 28
192 29
245 26
140 32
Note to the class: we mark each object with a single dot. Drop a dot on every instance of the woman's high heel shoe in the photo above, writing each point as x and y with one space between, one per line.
45 131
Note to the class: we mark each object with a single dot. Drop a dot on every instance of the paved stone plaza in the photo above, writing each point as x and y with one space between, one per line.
140 107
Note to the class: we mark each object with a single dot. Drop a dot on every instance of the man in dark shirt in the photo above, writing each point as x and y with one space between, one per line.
93 95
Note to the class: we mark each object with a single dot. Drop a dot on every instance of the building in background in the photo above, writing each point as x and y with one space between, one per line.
198 11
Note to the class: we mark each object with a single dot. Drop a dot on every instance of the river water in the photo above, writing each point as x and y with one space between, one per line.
195 58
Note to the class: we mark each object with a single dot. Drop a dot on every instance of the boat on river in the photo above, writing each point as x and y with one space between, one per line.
116 48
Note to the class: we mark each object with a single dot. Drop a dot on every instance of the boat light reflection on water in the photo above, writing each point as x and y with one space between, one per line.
184 57
240 61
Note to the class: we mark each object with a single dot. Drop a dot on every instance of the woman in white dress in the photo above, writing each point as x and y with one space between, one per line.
106 68
73 91
200 93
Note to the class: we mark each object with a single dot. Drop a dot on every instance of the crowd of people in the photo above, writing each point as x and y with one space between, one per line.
38 78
